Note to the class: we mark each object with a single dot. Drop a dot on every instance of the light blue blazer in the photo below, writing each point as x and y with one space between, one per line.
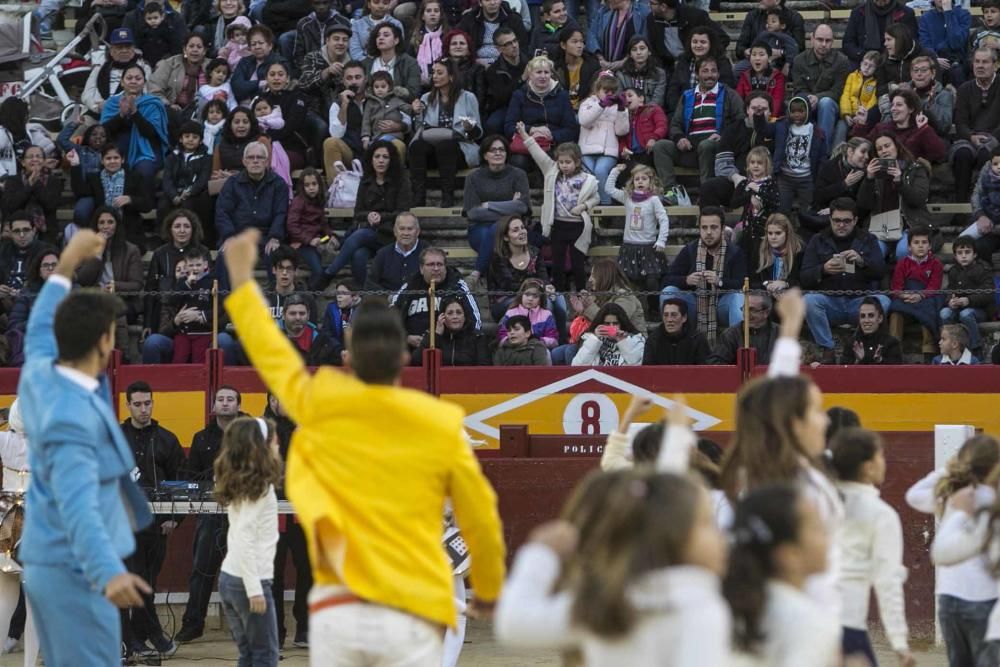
82 505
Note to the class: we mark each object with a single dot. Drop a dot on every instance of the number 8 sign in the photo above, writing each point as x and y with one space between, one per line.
590 414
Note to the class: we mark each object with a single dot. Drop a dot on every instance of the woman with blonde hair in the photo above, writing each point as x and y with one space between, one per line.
543 106
779 258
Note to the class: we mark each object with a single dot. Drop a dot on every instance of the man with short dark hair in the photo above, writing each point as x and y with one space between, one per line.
669 25
763 334
503 77
819 75
369 471
285 264
346 116
84 503
315 346
546 32
395 263
16 254
210 529
159 457
675 343
484 21
323 68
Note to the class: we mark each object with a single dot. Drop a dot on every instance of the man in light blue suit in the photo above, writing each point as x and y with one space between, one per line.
82 505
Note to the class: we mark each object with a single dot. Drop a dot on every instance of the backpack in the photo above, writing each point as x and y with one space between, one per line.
343 192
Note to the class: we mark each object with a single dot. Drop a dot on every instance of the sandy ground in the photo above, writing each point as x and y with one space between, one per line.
480 651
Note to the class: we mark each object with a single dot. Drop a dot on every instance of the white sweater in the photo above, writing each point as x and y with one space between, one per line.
252 540
962 539
684 621
966 580
872 549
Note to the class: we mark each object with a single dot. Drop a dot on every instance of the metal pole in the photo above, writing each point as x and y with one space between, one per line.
215 314
746 312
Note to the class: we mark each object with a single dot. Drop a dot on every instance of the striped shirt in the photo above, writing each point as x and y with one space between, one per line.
703 113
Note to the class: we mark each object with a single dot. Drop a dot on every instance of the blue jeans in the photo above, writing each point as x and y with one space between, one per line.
207 550
256 10
600 166
482 237
729 308
256 635
827 112
159 349
495 121
970 317
286 45
902 246
310 256
823 311
358 247
856 643
562 355
963 625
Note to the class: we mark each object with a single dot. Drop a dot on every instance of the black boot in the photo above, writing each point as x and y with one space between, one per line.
418 186
447 192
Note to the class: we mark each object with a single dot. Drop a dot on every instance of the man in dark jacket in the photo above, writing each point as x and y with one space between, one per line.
16 254
841 258
763 334
412 301
819 75
977 117
311 30
503 77
669 26
396 262
871 344
498 14
316 347
675 343
867 23
159 457
210 529
545 33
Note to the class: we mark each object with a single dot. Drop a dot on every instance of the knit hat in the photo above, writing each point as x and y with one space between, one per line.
238 22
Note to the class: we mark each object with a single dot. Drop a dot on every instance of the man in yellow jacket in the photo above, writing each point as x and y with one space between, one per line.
369 470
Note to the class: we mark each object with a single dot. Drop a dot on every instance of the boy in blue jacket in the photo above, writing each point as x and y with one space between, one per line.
945 31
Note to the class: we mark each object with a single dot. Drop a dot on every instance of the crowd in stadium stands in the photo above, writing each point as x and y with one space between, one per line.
815 162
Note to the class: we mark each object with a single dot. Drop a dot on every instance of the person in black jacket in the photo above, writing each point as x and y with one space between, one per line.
675 343
755 23
669 26
158 457
186 172
763 334
840 176
702 41
499 14
871 344
503 77
210 529
573 53
36 191
736 142
456 337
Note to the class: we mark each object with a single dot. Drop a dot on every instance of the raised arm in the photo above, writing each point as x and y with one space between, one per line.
787 354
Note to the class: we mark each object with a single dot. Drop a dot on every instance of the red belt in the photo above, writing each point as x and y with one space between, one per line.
333 601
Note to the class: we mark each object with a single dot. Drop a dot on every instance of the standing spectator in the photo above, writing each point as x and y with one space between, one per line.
483 23
377 12
871 344
105 81
675 343
250 75
503 77
186 173
799 147
954 346
977 115
186 315
840 258
696 126
819 74
323 69
313 29
779 260
968 298
611 340
522 348
216 27
447 127
763 334
396 262
457 338
669 29
910 126
514 262
603 119
36 192
575 66
457 46
708 274
916 283
945 31
702 42
611 28
386 54
868 22
640 71
545 110
210 529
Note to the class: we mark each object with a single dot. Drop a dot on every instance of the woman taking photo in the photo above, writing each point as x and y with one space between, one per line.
176 80
386 54
384 193
575 67
702 41
780 257
448 126
611 340
641 72
471 75
544 109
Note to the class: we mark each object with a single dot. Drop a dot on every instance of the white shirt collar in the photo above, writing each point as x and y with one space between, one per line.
88 383
407 253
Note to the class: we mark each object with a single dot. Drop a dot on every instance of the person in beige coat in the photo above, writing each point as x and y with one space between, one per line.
175 79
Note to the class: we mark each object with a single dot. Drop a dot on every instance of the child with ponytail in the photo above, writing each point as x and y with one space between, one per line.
246 471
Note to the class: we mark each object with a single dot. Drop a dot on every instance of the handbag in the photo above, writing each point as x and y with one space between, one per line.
517 144
343 192
887 226
438 135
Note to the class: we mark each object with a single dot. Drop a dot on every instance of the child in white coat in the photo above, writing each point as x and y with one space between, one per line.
603 118
611 340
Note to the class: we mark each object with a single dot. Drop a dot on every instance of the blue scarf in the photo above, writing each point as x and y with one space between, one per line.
113 184
139 147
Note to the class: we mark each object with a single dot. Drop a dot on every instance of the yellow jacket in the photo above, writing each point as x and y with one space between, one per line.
857 91
369 470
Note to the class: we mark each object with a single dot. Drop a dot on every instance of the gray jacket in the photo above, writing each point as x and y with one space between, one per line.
822 78
466 106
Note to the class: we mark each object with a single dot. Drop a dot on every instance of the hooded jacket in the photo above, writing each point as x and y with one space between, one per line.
533 353
411 300
817 146
551 109
158 453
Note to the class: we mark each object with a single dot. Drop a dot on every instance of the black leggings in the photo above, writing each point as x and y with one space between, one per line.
564 234
447 155
965 162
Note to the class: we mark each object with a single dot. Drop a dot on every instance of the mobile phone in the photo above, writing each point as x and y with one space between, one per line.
885 163
324 239
612 330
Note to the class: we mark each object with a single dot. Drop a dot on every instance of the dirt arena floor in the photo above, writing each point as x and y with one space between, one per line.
216 648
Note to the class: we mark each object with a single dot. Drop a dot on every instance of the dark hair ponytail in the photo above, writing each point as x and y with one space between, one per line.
852 448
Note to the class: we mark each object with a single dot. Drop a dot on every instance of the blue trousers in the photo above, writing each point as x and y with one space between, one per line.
310 256
256 635
970 317
600 166
77 626
902 246
823 311
729 307
827 112
856 643
358 247
482 238
963 625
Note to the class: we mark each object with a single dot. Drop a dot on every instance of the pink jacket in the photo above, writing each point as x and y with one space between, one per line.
600 127
543 325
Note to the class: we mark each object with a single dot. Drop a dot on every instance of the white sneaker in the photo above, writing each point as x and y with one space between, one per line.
9 645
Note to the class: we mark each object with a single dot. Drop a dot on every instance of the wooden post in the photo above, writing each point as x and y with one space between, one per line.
215 314
432 306
746 312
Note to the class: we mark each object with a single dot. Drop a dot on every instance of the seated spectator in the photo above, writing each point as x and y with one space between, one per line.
859 103
346 117
312 31
250 75
916 282
840 176
240 130
396 262
842 258
871 344
702 42
374 12
514 262
186 316
954 346
762 76
160 31
382 196
969 298
937 101
231 44
779 259
977 115
647 125
669 29
411 298
611 28
945 31
457 338
314 346
641 71
784 48
868 23
819 73
696 126
677 342
300 126
176 80
505 76
896 181
492 192
186 173
758 194
284 264
546 33
901 48
575 67
105 81
42 265
88 145
386 53
482 23
603 119
425 40
521 347
323 69
446 135
611 340
985 30
799 147
530 301
910 126
708 274
544 109
340 310
763 334
457 46
756 23
113 186
735 143
182 233
35 191
16 254
308 228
